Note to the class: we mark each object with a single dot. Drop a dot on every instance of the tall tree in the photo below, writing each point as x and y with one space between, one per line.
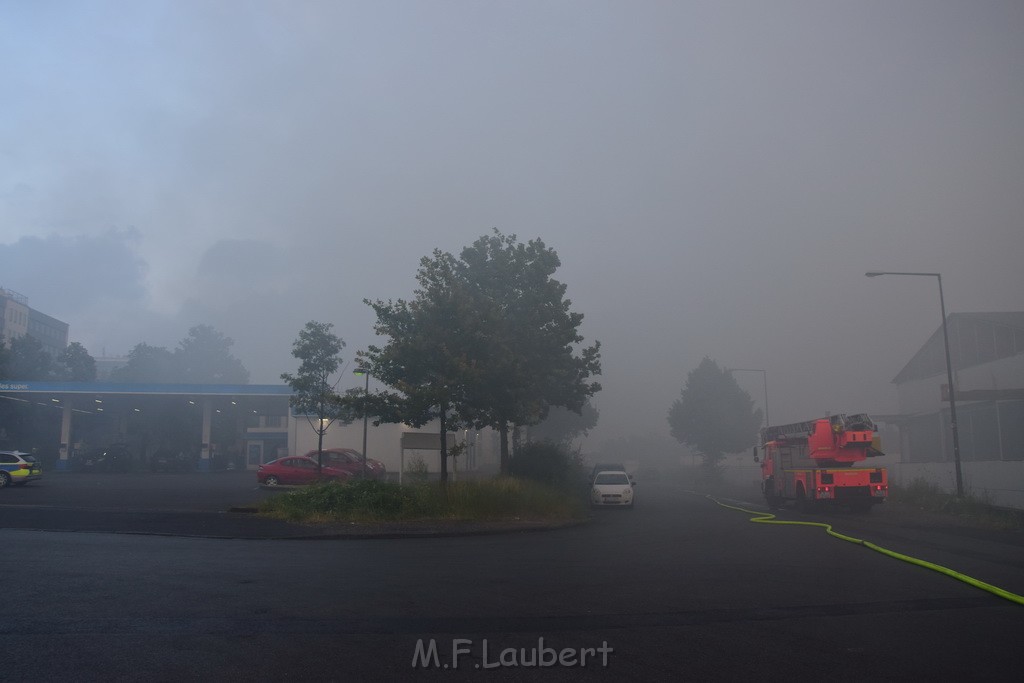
430 356
319 351
74 364
147 364
713 414
204 357
27 360
488 340
531 363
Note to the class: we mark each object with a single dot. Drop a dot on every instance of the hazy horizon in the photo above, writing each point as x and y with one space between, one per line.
715 177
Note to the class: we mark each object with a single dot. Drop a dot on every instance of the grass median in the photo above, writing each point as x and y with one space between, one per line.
503 498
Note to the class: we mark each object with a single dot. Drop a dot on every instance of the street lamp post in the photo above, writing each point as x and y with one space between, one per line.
765 374
366 401
949 375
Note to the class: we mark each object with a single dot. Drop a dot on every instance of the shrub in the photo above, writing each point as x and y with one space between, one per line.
416 469
548 463
502 498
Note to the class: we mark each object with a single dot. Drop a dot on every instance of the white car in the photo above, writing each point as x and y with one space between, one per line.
612 488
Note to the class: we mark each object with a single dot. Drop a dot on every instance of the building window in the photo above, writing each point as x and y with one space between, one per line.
1011 428
979 432
924 439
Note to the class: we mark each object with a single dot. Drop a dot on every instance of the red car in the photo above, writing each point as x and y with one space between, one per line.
351 461
297 469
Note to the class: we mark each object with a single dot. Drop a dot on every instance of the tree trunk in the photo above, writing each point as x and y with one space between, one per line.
319 449
503 433
444 444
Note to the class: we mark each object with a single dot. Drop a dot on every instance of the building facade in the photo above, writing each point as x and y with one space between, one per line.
400 447
987 354
18 319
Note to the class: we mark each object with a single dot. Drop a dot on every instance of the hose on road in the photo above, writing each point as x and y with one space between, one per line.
768 518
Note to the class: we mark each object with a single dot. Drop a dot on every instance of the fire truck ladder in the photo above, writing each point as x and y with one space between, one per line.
800 430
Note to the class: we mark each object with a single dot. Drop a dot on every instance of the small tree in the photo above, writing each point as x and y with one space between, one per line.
319 351
714 415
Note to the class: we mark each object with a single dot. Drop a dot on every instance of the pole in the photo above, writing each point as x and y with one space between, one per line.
766 422
765 377
949 376
366 402
952 396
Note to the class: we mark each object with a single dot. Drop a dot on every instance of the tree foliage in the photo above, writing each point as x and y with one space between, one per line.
147 364
74 364
203 357
531 338
549 463
27 360
488 341
562 425
319 351
714 415
434 342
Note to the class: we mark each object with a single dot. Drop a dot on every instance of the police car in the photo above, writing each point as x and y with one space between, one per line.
18 468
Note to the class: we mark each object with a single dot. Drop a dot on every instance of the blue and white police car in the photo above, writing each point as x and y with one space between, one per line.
18 468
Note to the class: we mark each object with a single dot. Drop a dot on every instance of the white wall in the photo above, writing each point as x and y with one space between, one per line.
384 443
1001 482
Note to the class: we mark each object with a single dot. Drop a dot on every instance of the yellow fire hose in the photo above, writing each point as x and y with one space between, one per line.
768 518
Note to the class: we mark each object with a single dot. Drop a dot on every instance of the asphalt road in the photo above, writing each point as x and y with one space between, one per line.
679 589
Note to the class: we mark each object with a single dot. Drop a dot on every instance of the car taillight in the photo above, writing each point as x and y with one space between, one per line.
26 466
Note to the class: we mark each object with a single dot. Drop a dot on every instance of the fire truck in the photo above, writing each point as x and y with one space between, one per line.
811 462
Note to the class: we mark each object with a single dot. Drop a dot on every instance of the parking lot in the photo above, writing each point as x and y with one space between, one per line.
147 491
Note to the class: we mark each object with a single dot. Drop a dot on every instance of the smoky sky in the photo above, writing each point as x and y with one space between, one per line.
715 176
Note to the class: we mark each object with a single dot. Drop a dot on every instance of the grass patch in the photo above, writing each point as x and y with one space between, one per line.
374 501
927 496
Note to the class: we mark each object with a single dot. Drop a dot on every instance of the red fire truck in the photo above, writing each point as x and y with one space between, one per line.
812 461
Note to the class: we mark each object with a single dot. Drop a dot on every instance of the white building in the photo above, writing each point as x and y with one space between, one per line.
18 319
987 352
399 447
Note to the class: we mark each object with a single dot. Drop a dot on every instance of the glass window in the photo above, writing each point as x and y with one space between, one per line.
1011 428
979 432
924 439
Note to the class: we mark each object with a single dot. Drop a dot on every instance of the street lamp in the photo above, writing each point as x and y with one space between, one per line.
949 375
765 373
366 401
